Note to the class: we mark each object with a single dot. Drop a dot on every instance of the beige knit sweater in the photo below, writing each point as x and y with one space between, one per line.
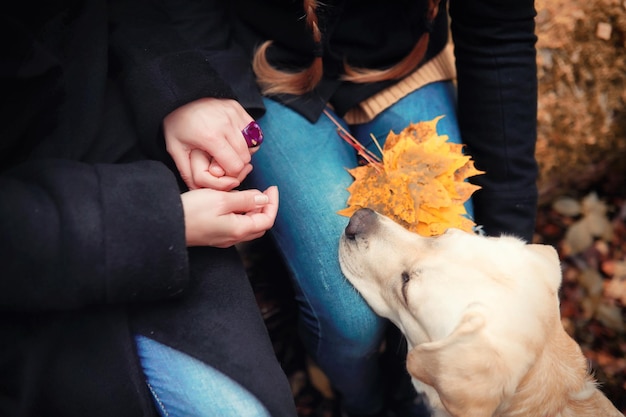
441 67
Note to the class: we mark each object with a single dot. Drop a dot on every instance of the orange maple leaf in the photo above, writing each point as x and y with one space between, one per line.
420 183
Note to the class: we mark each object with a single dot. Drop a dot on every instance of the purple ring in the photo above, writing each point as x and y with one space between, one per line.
252 134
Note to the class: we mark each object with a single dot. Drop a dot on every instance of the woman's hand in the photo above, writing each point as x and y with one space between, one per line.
224 218
205 141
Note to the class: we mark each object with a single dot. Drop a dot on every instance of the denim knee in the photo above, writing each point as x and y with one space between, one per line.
353 332
182 386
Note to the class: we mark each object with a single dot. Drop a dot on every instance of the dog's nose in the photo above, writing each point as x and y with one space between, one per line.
361 222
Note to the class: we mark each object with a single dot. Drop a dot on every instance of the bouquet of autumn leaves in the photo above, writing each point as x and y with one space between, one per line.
420 181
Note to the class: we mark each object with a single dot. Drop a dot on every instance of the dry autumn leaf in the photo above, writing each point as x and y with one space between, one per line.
420 183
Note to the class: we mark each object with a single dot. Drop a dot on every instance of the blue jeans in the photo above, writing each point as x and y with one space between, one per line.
182 386
308 162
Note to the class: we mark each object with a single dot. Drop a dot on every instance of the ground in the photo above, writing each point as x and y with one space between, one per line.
581 63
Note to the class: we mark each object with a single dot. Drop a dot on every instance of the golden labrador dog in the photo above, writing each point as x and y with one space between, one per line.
481 318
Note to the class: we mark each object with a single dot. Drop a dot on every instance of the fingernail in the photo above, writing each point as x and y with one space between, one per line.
216 171
261 199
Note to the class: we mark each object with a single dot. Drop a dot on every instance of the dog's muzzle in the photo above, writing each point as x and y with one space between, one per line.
362 222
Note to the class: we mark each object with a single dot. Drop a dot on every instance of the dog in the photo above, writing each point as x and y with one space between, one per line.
481 318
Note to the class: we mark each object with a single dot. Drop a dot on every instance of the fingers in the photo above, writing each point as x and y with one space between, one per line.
181 158
222 219
231 153
254 202
204 177
229 161
254 150
217 171
258 212
213 126
230 156
271 209
202 174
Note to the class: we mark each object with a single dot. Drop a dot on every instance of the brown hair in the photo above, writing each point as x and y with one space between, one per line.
275 81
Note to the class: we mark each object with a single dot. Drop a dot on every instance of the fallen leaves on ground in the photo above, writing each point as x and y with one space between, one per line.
590 236
582 94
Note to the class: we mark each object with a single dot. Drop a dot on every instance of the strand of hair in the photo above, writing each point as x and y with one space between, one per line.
273 81
401 69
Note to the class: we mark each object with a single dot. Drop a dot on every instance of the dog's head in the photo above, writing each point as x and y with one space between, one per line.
476 311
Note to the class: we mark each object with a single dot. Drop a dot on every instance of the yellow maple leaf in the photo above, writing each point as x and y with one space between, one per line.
420 183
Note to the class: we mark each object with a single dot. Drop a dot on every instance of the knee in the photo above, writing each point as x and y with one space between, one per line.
358 332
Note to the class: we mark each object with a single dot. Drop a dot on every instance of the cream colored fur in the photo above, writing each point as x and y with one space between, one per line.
481 317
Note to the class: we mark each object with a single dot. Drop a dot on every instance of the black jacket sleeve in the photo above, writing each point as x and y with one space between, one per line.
495 53
170 53
74 234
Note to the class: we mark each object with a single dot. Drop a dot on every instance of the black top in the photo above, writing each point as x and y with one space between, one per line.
364 33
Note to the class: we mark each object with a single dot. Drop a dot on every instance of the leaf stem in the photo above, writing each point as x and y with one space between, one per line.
369 156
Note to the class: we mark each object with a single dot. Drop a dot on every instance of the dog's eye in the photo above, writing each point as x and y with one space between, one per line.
406 277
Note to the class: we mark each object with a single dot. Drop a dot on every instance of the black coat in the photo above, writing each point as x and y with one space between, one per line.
92 245
494 46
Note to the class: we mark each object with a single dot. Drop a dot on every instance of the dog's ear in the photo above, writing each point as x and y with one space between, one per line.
464 368
552 265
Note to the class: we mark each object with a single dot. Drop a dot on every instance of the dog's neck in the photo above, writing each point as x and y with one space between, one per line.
567 388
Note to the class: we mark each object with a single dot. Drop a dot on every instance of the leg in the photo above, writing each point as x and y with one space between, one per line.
308 163
183 386
218 322
427 103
